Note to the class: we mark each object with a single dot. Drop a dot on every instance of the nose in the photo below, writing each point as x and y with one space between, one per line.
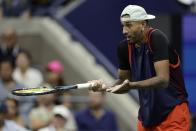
125 31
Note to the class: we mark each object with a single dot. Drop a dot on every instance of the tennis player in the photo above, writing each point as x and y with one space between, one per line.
149 64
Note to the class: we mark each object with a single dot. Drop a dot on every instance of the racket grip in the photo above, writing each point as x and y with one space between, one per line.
85 85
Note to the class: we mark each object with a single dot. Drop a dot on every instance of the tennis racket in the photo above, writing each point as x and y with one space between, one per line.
47 89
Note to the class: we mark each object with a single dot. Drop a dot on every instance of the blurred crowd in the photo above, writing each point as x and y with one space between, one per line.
51 112
28 8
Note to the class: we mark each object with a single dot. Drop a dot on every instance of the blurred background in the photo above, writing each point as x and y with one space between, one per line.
64 42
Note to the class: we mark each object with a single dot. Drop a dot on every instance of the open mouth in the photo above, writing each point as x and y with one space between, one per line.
129 38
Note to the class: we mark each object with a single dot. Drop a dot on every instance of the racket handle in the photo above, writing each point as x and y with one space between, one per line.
84 85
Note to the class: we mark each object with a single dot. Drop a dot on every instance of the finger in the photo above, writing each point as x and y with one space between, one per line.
126 81
112 90
104 86
109 89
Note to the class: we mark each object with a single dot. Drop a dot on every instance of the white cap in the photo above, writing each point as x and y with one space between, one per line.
135 13
61 110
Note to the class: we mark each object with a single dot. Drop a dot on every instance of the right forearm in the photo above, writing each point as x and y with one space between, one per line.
119 82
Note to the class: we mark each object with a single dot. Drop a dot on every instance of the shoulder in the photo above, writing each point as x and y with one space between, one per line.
109 113
158 40
158 34
12 124
82 113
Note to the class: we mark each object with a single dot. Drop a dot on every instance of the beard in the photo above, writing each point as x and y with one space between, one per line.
136 37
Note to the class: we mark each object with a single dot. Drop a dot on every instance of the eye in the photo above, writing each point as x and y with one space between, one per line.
128 24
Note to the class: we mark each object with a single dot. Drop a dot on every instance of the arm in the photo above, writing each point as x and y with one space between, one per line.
161 79
161 65
123 71
100 85
122 76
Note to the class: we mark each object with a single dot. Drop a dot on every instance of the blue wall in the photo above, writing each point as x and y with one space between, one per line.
189 57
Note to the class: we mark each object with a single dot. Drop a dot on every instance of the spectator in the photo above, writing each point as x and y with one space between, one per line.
8 125
54 76
61 118
7 83
14 8
41 115
24 73
54 71
8 46
95 117
66 99
13 111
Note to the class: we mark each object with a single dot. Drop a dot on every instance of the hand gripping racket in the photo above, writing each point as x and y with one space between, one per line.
47 89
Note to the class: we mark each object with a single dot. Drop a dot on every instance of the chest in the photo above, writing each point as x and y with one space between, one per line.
141 62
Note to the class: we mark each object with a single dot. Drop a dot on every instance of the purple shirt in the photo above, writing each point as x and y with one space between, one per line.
87 122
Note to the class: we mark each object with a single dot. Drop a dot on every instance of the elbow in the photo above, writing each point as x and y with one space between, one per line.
164 82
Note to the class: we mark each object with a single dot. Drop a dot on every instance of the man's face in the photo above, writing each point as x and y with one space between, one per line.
96 100
22 61
59 122
11 108
10 39
6 71
52 78
132 31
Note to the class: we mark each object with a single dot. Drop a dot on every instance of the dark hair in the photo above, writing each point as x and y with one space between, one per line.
7 60
16 103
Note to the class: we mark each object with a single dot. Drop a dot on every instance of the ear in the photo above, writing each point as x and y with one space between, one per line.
144 23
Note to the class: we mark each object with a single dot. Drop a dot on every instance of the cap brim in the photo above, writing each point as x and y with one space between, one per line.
150 17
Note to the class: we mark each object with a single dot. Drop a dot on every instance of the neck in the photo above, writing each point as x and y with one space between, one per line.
23 70
145 34
144 37
97 113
